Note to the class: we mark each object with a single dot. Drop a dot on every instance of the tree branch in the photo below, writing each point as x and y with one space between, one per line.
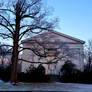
30 5
32 28
34 51
31 15
7 28
38 62
6 45
5 36
8 10
7 21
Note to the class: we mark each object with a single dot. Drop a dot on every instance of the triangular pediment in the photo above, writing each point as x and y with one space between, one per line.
53 35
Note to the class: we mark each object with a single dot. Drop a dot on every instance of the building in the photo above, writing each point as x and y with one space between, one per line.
71 48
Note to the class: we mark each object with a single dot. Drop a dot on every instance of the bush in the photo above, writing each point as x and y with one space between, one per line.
85 77
33 74
69 72
5 73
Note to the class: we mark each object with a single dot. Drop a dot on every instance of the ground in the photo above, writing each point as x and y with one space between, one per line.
44 87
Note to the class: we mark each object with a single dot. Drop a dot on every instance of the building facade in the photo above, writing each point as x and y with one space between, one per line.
71 48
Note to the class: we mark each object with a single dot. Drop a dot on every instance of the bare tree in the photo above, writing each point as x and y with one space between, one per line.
4 51
19 19
88 54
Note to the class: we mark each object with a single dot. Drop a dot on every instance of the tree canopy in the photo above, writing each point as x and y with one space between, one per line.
19 19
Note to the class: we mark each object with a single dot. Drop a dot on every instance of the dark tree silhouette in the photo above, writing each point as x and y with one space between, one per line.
68 68
19 19
4 51
88 55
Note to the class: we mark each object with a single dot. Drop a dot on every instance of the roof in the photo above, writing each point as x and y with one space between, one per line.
60 34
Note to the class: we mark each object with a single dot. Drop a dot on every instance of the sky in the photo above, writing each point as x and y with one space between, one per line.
75 17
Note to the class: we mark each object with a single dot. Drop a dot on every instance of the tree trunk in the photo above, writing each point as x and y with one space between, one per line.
15 53
14 64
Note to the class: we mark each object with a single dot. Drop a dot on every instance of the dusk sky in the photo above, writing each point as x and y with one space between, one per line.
75 17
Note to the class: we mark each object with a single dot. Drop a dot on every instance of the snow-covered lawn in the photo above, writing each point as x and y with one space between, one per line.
64 87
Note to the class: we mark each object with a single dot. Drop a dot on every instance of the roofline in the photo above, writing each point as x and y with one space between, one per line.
60 34
68 36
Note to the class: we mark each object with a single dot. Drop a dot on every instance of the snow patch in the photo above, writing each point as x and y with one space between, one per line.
1 81
8 83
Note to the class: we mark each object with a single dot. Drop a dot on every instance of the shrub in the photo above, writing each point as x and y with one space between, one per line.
5 72
69 72
33 74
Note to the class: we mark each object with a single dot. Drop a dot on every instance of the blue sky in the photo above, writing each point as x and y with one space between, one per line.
75 17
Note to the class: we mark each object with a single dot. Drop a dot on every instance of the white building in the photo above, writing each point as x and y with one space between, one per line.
73 44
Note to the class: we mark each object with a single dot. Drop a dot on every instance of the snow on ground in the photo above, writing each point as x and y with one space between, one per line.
63 87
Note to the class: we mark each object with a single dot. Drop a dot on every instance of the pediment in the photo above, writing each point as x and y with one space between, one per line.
53 35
